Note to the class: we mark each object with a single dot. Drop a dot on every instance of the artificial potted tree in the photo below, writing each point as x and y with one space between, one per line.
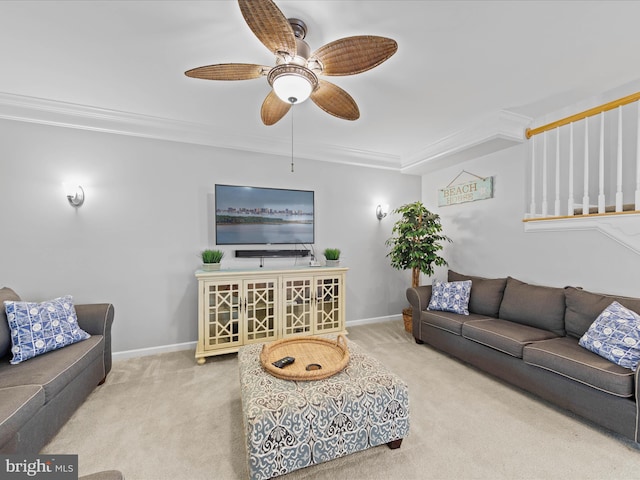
415 244
332 256
211 259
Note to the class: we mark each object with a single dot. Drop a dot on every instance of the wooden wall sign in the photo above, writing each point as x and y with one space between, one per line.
478 189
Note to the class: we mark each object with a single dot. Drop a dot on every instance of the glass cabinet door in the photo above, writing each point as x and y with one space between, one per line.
260 307
329 298
298 302
222 315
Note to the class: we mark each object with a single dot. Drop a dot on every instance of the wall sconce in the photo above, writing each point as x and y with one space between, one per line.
75 195
381 211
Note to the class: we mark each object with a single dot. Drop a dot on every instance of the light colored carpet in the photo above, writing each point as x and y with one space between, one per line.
164 417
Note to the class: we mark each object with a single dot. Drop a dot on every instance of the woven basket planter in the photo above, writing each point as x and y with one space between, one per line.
407 316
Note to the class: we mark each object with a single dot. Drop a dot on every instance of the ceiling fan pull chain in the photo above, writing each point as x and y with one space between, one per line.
293 101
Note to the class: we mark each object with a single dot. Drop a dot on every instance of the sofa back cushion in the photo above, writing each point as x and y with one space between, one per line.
583 308
486 293
5 334
534 305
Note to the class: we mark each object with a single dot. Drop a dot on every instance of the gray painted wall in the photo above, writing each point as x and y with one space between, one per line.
489 238
147 214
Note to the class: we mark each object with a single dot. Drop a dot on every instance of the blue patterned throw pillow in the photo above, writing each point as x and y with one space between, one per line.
37 328
450 297
615 335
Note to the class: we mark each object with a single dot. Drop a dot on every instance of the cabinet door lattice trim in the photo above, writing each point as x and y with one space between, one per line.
298 303
260 316
328 299
223 320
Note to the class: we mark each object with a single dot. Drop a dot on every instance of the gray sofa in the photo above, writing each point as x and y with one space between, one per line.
39 395
528 335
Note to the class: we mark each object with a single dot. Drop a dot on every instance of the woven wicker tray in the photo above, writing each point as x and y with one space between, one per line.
331 355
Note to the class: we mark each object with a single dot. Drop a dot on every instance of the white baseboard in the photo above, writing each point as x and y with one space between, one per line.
143 352
365 321
176 347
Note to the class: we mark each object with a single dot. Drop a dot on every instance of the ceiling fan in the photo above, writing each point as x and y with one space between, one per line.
294 78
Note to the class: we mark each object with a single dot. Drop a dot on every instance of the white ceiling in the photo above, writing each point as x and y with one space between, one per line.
457 62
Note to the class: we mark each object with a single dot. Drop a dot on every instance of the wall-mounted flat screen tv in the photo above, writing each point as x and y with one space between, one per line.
263 216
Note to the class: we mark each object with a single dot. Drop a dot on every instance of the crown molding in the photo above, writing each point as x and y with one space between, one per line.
495 132
490 134
69 115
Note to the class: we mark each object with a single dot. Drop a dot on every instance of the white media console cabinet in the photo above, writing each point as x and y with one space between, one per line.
239 307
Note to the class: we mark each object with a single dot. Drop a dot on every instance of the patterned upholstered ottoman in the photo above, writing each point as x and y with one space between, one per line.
295 424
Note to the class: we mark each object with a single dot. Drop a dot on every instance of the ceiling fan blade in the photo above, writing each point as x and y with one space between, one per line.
351 55
273 109
228 71
271 27
335 101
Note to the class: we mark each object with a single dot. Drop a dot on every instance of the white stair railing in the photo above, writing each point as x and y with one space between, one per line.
532 205
585 196
601 197
556 204
612 163
571 200
544 175
619 195
637 196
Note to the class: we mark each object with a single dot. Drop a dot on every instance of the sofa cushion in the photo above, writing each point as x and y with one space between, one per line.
565 357
615 335
503 335
486 293
533 305
17 406
54 370
450 297
451 322
583 307
5 333
37 328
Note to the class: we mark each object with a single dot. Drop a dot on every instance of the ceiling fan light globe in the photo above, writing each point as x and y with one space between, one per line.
291 86
292 81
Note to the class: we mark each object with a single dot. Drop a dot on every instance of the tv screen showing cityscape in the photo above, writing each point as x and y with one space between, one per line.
263 216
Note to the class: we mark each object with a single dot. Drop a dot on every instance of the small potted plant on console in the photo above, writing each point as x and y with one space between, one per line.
332 256
211 260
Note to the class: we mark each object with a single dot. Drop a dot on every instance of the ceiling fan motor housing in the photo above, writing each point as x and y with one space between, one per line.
290 79
303 51
299 27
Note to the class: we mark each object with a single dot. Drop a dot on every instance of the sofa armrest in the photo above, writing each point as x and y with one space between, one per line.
96 319
419 297
636 380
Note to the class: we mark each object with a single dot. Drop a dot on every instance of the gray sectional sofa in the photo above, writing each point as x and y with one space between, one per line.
528 336
39 395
